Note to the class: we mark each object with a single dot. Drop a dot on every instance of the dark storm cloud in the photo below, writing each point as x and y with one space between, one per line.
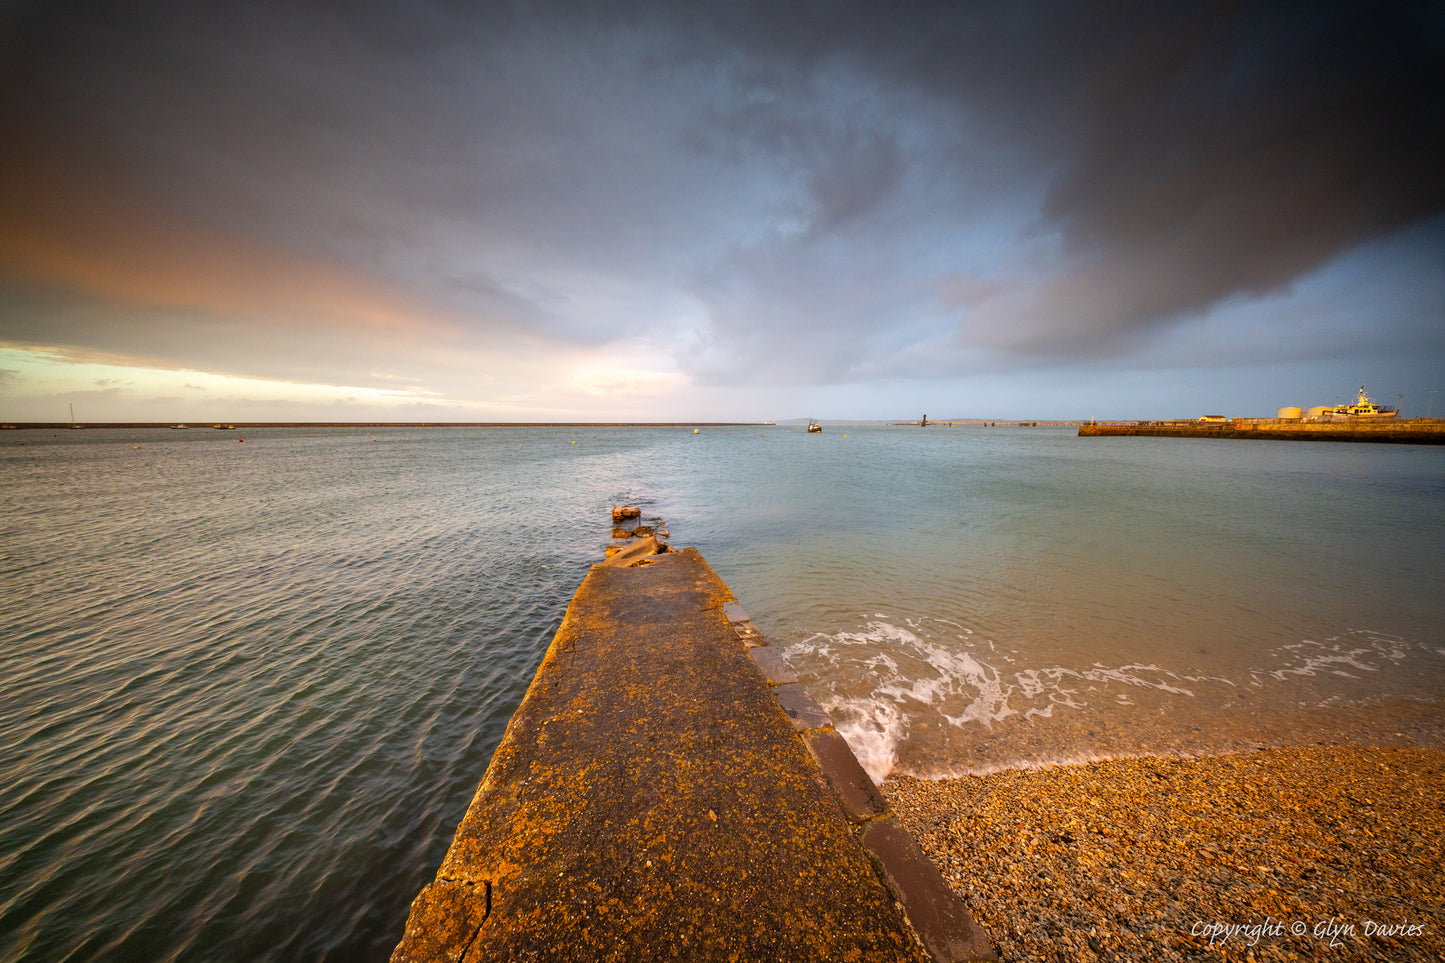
1234 155
841 191
1196 151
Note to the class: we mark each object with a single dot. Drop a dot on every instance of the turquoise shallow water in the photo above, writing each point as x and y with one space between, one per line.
250 687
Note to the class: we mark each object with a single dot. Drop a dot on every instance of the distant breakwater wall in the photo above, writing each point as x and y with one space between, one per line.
1414 432
667 789
208 425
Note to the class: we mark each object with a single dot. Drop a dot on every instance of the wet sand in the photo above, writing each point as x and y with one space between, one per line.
1319 852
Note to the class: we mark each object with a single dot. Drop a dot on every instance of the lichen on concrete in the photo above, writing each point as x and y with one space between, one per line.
651 800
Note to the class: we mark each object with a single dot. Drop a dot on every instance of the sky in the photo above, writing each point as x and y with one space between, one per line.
740 211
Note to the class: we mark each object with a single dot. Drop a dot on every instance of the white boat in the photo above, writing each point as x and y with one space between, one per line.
1362 410
179 427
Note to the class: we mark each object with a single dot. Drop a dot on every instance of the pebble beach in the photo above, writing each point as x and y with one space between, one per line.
1319 852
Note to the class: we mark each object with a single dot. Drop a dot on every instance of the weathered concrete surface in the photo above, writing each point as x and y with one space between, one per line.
652 800
633 553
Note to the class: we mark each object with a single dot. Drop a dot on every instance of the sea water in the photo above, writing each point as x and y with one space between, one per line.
252 678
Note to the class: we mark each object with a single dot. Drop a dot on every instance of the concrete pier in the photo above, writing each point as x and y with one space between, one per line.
667 790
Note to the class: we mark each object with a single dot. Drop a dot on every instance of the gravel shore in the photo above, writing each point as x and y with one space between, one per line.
1298 853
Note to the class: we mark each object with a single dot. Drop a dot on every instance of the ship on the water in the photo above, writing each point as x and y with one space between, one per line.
1362 410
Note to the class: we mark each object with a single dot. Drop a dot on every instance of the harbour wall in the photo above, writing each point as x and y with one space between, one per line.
667 789
1420 431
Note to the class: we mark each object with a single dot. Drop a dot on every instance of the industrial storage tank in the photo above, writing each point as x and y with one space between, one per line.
1316 411
1289 414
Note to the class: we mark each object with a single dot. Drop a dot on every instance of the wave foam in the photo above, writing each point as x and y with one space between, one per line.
1360 650
886 681
881 677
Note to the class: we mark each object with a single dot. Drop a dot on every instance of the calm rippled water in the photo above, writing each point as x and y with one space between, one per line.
250 687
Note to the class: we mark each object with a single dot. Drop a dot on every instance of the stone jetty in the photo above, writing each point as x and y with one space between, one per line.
668 790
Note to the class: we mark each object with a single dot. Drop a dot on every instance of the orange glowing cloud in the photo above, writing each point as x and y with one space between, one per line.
90 233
